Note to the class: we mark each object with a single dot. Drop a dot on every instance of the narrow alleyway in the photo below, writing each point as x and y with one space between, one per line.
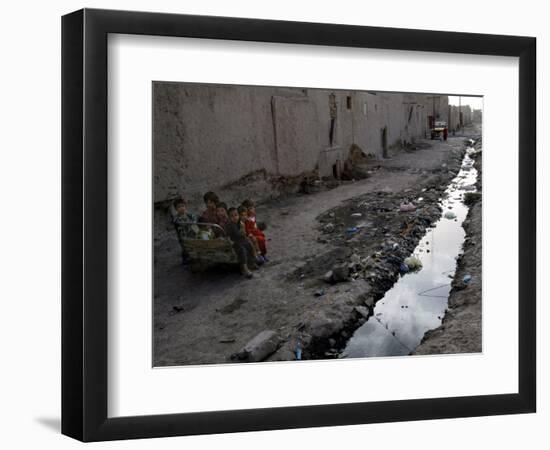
206 317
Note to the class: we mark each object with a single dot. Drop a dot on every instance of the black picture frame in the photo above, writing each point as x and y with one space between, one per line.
84 224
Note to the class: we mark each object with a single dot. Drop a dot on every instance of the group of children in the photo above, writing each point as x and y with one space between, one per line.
237 223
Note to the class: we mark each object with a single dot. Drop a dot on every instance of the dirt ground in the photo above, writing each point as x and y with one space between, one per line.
356 228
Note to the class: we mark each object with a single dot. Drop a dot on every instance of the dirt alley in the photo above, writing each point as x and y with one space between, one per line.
204 318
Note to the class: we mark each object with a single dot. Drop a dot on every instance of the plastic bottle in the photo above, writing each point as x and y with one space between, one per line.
298 351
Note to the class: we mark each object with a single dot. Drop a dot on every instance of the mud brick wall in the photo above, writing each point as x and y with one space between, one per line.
206 137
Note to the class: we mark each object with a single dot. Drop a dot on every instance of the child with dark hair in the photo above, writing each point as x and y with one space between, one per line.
184 221
185 224
253 230
221 218
221 214
241 244
209 214
243 215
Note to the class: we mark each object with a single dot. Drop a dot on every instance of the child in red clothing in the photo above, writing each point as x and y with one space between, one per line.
251 227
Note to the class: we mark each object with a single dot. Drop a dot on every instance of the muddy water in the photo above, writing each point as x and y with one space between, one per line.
418 300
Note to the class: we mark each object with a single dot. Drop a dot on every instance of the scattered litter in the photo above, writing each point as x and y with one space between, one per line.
449 215
329 227
467 278
413 263
352 230
327 277
356 215
320 293
403 268
298 351
227 340
362 311
407 207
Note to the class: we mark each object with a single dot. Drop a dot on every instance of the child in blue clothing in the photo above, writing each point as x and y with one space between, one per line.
185 224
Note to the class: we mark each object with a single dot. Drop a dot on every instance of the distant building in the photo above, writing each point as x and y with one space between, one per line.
460 116
477 116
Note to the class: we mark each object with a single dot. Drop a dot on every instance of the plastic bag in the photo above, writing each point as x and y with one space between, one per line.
407 207
413 263
449 215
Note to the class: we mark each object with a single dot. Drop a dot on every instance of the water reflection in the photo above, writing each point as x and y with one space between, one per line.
417 302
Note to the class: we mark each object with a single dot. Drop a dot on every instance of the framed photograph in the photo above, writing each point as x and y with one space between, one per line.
273 225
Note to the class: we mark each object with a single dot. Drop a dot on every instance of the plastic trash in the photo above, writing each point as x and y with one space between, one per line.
413 263
352 230
449 215
356 215
407 207
403 268
467 278
298 351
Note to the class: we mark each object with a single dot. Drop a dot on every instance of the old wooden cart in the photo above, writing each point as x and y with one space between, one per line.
209 247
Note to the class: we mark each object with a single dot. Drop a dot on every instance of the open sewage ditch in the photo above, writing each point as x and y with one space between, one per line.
417 302
406 302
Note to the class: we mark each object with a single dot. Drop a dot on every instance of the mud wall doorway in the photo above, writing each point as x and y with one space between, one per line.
385 142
